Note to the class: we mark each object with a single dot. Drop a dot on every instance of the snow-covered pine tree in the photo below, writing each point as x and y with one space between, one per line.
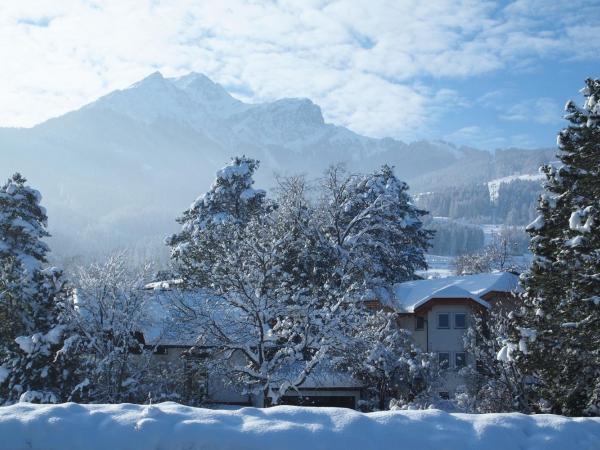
375 238
556 336
373 225
231 200
35 364
22 253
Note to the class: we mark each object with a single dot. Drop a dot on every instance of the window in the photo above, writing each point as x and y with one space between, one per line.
460 320
420 323
444 320
444 360
460 360
160 350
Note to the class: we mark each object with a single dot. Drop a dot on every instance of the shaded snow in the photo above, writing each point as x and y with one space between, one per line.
163 285
38 397
575 221
4 373
537 224
25 343
171 426
233 170
505 353
250 193
577 241
55 334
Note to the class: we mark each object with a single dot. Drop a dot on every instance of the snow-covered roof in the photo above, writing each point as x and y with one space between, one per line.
163 324
410 295
328 378
163 285
173 316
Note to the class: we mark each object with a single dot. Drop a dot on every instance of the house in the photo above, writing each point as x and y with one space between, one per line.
172 339
436 311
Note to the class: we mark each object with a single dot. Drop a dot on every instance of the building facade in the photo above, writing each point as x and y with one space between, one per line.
439 311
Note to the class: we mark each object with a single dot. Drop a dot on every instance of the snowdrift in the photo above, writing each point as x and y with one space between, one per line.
170 426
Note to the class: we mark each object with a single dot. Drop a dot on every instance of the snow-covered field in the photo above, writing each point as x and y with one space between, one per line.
169 426
438 267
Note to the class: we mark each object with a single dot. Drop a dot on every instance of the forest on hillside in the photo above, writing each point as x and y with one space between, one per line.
514 204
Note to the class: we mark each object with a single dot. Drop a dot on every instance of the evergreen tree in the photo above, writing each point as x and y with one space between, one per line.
35 360
376 239
22 225
230 201
556 336
374 227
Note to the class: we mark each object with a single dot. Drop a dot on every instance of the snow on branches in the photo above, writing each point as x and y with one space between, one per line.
231 200
32 302
555 336
284 277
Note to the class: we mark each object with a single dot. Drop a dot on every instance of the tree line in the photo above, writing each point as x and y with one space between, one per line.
515 203
453 238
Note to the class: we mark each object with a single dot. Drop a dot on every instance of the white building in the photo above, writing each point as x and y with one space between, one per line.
438 313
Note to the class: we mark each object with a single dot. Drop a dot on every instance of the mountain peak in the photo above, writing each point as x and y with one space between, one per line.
298 109
193 79
200 87
147 100
202 90
155 78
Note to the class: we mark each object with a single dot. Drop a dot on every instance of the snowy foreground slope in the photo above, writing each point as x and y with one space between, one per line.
169 426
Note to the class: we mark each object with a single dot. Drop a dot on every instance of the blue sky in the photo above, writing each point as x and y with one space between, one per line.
481 73
514 108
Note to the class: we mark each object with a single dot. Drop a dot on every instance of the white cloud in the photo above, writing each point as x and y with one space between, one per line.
361 60
541 110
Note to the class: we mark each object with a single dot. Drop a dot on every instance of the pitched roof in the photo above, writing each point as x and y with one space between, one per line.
451 291
164 324
412 294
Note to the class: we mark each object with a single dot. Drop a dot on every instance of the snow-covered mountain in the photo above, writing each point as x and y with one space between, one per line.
121 169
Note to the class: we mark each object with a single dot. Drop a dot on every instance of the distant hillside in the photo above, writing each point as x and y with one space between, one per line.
119 170
509 200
